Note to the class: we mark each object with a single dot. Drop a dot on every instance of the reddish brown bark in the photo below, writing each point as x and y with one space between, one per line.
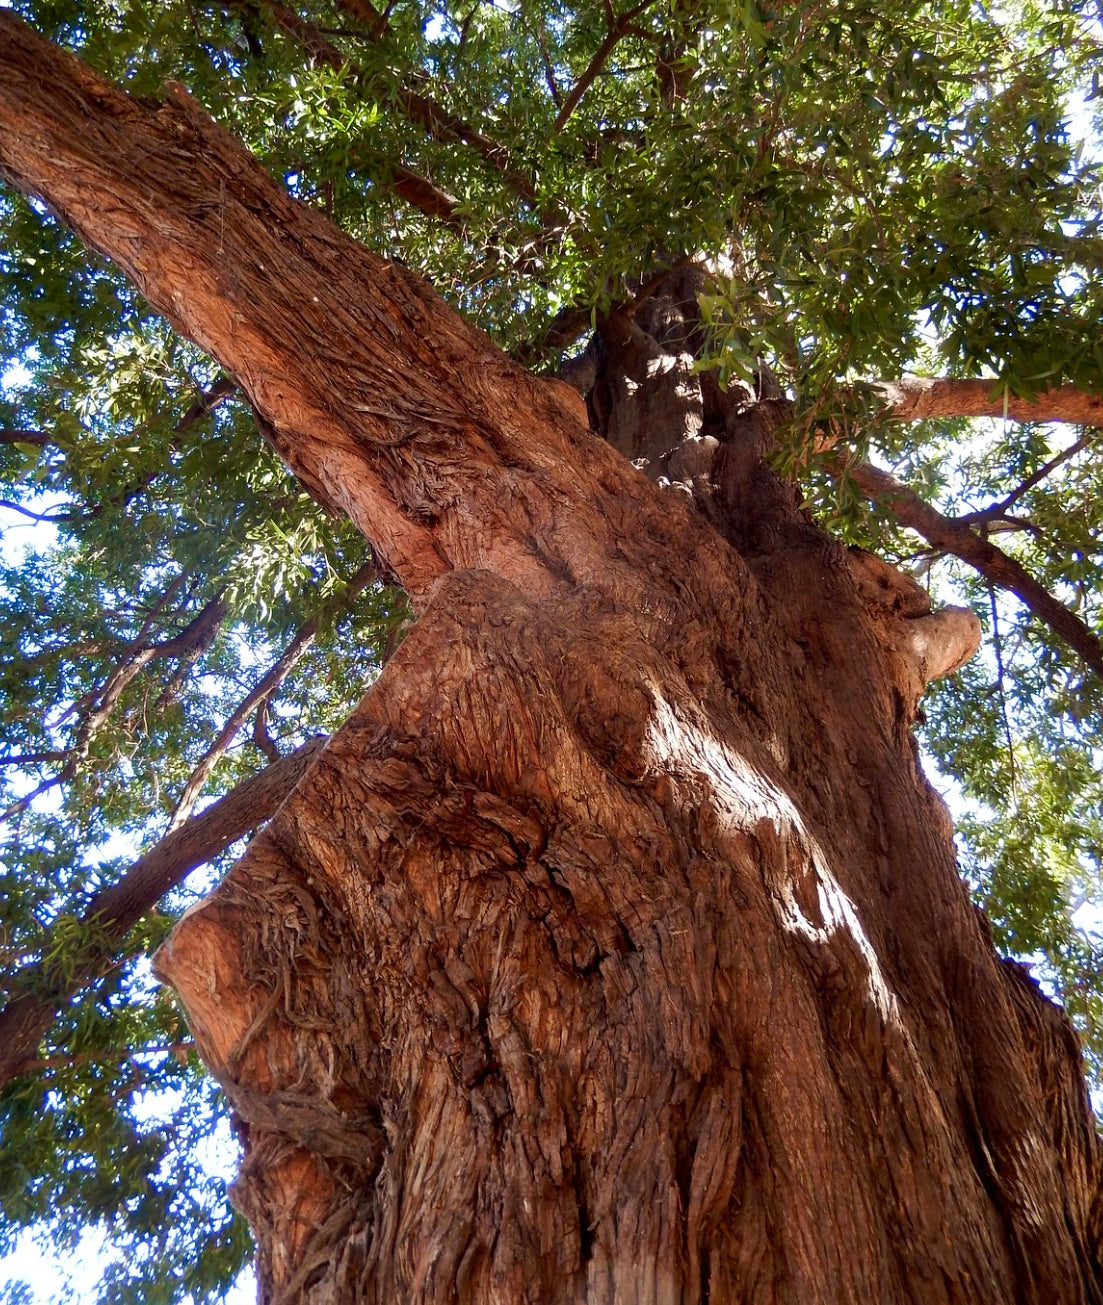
916 397
614 949
957 538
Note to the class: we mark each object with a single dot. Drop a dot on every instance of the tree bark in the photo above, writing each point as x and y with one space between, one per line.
614 949
916 397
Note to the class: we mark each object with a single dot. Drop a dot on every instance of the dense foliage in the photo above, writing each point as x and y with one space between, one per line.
880 189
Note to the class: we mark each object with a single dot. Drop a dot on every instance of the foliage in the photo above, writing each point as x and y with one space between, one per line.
881 188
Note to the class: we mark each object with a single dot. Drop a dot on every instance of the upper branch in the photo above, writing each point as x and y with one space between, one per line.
997 511
619 27
438 122
96 709
915 397
375 23
187 645
950 536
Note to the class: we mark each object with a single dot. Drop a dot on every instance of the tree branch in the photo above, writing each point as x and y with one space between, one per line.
410 186
20 805
437 121
366 389
192 640
995 511
98 1057
376 23
261 738
914 398
654 284
36 437
568 325
420 193
619 27
189 643
259 693
48 518
201 406
951 536
115 910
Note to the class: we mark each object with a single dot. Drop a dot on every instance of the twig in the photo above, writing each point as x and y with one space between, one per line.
188 643
997 510
437 121
997 644
200 407
48 518
549 71
96 1057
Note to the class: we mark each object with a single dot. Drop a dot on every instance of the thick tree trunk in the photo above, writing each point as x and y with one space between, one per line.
614 949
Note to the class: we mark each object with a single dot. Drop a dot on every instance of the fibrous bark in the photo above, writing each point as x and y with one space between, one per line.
614 949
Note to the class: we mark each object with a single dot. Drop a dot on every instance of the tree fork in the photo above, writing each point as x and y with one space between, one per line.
614 949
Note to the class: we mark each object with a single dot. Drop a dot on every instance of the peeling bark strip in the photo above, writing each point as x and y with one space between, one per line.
613 951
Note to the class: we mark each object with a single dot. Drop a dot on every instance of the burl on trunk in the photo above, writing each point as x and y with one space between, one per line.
614 949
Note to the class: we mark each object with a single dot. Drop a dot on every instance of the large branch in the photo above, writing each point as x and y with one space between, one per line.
915 397
386 404
950 536
115 910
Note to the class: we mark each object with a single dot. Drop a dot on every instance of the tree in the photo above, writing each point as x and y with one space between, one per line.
613 947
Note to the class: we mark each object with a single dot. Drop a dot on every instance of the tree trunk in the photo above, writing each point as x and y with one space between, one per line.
614 949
